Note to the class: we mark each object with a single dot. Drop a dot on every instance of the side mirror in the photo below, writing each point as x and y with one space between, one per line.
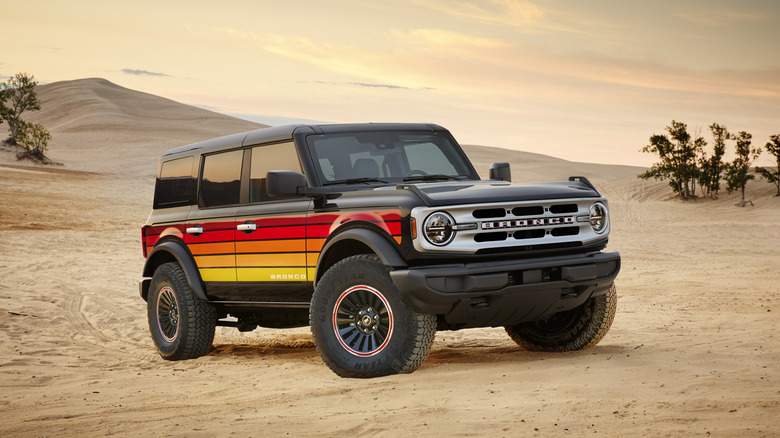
284 183
500 172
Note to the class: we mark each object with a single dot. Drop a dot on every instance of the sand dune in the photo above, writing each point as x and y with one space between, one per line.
693 350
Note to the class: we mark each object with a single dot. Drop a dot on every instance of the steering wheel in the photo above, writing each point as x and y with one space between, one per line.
415 172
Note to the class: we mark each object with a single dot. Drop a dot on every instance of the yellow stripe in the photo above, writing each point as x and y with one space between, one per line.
272 274
270 260
219 274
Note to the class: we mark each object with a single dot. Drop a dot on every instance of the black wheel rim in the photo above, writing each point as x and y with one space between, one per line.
168 314
363 321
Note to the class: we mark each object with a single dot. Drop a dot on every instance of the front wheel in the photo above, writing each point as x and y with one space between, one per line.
361 325
182 325
574 329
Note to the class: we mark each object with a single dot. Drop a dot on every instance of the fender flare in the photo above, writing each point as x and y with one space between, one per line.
185 260
386 251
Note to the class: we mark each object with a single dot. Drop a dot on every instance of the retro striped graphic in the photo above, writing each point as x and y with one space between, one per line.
214 250
282 248
276 251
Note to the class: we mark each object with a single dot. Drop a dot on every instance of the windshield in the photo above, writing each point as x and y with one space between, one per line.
387 157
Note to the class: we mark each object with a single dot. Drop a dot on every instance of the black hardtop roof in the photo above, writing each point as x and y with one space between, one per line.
286 132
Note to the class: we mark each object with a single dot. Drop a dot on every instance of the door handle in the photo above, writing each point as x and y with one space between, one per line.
247 228
195 230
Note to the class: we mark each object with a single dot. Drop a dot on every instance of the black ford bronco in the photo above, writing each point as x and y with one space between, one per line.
375 235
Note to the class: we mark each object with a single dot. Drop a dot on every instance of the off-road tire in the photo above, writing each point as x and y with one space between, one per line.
360 324
182 324
575 329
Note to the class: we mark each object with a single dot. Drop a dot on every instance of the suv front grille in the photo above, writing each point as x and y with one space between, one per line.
521 226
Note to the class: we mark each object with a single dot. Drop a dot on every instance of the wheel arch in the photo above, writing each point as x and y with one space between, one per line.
173 251
355 241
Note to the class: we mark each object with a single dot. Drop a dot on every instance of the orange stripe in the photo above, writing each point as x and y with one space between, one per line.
212 248
271 246
311 258
267 260
315 244
218 261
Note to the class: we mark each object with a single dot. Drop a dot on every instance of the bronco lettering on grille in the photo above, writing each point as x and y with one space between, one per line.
527 223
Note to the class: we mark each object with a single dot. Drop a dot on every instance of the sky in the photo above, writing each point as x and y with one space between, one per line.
585 81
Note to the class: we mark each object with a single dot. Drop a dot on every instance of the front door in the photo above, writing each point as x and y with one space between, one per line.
271 234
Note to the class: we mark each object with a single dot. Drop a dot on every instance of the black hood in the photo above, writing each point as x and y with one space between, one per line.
474 192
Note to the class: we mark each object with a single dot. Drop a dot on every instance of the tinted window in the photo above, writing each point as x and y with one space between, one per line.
430 157
175 185
221 179
386 156
281 156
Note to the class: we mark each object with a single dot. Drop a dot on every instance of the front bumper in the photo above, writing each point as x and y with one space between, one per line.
507 292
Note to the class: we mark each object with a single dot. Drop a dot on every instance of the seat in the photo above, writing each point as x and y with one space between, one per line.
365 168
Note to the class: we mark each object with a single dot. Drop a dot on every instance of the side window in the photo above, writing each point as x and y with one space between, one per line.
220 182
428 156
279 156
175 186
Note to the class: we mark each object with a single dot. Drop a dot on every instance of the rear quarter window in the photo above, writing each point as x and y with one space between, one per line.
175 185
220 182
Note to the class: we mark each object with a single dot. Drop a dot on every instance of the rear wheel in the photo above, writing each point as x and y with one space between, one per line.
361 325
574 329
182 325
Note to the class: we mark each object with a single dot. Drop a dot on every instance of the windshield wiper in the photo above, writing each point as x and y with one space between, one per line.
354 181
434 177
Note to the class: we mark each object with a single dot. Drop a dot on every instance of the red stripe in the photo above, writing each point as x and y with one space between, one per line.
319 225
273 233
161 230
216 226
366 215
319 231
393 227
211 236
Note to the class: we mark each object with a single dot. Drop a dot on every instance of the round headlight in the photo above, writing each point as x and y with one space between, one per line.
438 228
598 217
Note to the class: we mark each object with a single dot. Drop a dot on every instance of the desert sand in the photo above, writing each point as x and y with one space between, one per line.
693 351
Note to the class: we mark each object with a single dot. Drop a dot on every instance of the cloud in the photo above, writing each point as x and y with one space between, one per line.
233 32
370 85
136 72
413 60
392 87
486 68
380 67
516 13
447 39
722 17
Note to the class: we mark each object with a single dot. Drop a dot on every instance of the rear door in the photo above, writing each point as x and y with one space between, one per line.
211 228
